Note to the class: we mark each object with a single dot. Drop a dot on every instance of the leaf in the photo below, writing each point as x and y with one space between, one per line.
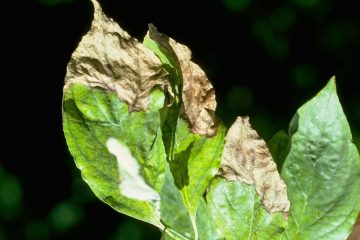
109 58
120 154
101 134
113 93
247 159
322 170
193 145
279 146
239 214
197 93
251 202
198 97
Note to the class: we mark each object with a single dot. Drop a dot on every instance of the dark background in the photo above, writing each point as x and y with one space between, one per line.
264 58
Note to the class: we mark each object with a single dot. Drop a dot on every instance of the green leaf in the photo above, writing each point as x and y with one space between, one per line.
91 117
322 171
279 146
239 214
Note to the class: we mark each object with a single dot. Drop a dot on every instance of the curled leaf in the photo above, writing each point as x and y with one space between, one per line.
109 58
247 159
198 95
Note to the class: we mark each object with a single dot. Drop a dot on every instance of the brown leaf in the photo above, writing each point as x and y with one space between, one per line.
198 94
247 159
109 58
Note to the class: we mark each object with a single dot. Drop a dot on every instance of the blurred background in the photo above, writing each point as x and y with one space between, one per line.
264 58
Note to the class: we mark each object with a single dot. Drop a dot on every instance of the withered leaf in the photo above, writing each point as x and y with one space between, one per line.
198 94
109 58
247 159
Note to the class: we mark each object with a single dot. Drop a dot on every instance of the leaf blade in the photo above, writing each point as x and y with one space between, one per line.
87 130
322 170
